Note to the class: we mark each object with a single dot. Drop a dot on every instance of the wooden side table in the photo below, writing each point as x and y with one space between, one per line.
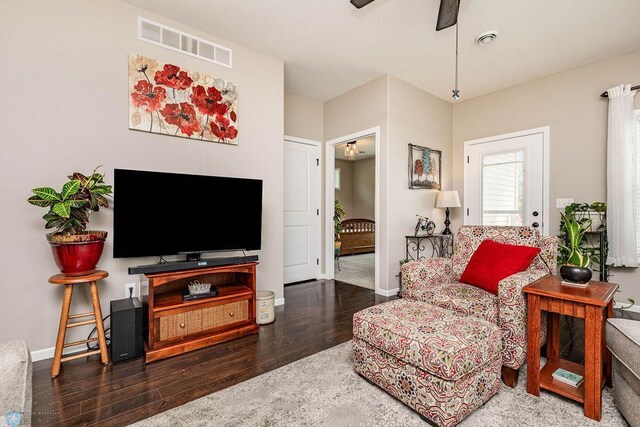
594 304
69 282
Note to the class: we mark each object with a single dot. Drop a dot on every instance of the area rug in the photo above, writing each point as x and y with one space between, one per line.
359 270
323 390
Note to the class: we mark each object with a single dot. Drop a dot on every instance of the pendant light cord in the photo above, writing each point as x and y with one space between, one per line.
457 57
456 92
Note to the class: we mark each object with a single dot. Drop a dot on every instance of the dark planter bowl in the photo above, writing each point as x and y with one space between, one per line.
576 274
77 254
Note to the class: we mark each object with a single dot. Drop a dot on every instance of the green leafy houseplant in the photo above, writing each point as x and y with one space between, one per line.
338 214
596 211
574 233
594 242
75 249
69 209
576 267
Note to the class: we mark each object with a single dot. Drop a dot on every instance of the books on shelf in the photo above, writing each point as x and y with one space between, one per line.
567 377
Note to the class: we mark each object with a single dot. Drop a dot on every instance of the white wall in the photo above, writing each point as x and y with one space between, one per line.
405 114
364 186
363 108
303 117
416 117
65 108
570 103
345 194
357 187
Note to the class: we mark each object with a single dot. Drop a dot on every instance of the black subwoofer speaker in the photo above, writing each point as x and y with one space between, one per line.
126 329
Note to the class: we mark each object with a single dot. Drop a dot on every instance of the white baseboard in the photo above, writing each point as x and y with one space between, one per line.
279 301
47 353
634 308
387 293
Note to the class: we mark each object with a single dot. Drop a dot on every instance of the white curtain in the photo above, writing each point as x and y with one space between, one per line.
622 187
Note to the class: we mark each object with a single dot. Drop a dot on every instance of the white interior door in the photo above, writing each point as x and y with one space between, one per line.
301 211
505 180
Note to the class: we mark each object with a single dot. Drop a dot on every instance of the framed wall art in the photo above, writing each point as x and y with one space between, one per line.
425 168
168 100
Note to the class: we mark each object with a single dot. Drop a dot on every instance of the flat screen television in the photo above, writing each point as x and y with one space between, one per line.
157 214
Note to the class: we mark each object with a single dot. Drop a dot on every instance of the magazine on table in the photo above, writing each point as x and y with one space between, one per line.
567 377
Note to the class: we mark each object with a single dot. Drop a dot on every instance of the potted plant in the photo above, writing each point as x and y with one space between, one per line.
576 261
596 212
338 214
75 250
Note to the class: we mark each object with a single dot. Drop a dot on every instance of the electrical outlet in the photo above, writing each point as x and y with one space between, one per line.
131 289
563 203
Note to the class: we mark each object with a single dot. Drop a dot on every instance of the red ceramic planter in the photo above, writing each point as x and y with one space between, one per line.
77 254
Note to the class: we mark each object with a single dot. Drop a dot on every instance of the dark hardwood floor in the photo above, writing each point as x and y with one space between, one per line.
317 316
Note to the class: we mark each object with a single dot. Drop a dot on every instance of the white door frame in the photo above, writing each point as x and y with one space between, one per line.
317 197
330 163
545 131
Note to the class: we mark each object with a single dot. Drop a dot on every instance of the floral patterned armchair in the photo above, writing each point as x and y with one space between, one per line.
436 281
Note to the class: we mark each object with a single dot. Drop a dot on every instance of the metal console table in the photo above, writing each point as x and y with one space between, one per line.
441 245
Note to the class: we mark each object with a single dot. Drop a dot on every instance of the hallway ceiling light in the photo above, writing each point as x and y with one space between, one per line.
351 149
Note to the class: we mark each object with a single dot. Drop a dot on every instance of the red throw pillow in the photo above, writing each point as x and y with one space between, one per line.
494 261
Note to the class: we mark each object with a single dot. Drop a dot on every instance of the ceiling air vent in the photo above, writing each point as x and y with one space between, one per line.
161 35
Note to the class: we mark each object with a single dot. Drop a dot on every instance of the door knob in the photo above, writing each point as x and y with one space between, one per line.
535 213
535 225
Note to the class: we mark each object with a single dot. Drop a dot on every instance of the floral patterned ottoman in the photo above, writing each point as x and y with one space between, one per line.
442 365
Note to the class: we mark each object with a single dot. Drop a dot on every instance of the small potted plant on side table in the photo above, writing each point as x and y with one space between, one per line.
575 261
75 250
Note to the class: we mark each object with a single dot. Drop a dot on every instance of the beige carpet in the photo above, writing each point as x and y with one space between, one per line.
359 270
323 390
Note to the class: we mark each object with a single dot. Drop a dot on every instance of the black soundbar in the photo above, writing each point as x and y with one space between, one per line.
190 265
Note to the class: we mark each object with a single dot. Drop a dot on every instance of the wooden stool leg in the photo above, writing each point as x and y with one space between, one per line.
62 330
95 299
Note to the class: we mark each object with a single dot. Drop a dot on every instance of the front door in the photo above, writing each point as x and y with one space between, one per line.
505 180
301 211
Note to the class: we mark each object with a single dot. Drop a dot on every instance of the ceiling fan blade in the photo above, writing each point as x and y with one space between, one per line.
448 14
360 3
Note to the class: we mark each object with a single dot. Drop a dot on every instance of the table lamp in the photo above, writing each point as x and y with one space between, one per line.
447 199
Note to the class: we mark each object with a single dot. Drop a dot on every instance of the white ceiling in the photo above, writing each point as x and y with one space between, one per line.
329 47
366 149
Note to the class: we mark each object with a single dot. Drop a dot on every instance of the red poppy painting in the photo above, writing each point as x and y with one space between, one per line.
223 129
169 100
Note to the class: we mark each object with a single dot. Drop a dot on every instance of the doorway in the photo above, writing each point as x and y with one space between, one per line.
302 187
354 191
352 176
507 180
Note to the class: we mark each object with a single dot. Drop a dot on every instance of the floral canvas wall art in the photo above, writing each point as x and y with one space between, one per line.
169 100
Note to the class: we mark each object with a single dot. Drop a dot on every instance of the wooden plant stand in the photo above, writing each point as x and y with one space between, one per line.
594 304
96 318
175 326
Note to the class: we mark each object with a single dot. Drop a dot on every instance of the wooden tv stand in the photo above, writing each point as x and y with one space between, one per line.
174 326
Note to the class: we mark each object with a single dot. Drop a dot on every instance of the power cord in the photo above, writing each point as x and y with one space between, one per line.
569 321
107 329
106 335
544 261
